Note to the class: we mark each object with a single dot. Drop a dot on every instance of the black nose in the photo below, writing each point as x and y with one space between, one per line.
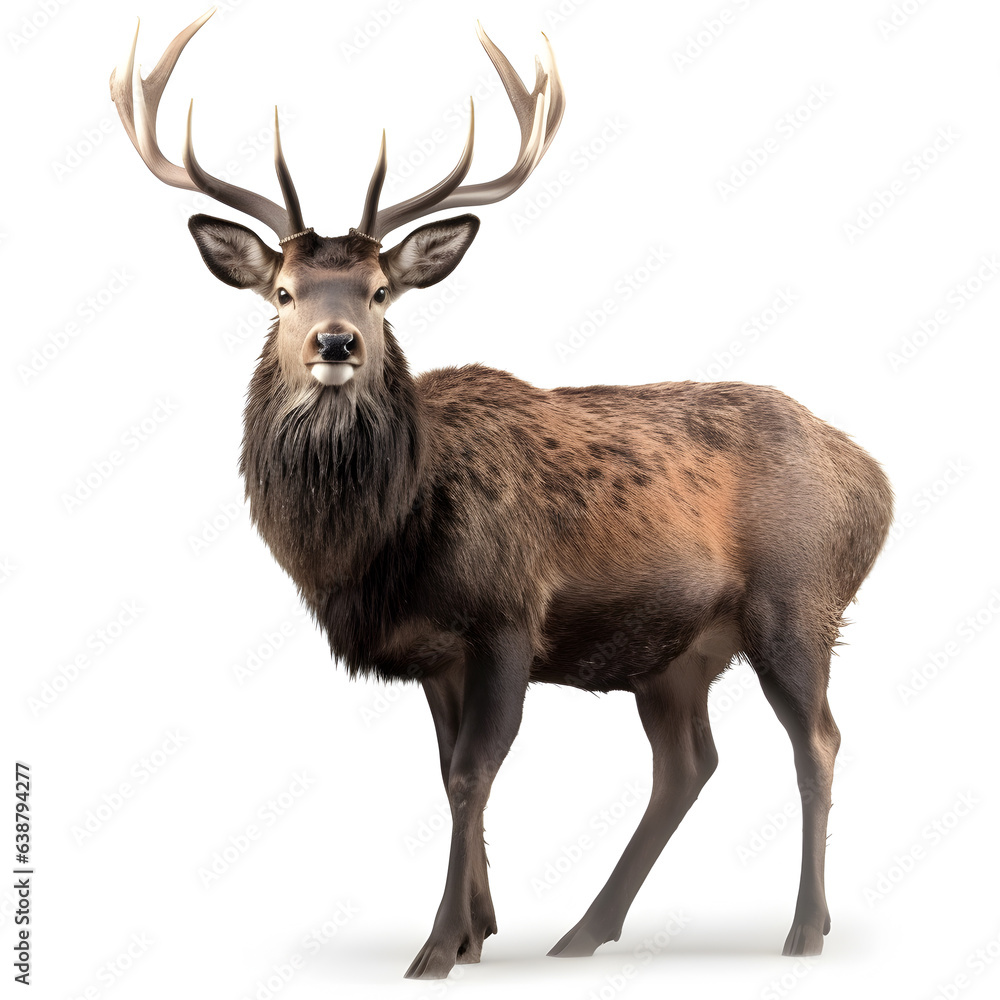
335 346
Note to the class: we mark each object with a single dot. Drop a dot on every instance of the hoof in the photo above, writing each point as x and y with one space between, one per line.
442 952
577 943
804 939
434 961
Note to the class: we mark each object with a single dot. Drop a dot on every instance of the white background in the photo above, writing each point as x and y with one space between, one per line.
166 530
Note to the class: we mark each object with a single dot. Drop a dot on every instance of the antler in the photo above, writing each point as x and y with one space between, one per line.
130 92
538 113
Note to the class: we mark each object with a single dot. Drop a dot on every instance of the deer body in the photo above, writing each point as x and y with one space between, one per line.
655 513
472 533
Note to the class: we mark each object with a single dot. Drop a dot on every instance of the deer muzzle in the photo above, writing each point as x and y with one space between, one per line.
332 351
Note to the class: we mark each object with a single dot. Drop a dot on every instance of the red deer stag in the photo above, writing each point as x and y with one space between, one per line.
694 523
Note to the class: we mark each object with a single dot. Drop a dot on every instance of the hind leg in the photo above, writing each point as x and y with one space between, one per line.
673 707
793 673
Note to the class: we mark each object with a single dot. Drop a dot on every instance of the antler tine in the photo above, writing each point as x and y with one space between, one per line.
546 102
369 218
121 90
125 82
421 204
131 93
539 114
285 182
273 216
488 192
150 91
557 96
522 101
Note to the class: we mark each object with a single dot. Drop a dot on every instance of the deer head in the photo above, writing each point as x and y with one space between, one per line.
331 293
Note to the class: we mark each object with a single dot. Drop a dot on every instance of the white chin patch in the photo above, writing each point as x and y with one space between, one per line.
333 374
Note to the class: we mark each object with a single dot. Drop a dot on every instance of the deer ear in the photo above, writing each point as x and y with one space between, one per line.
235 254
429 253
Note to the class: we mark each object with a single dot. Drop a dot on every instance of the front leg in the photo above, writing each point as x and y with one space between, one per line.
492 698
445 692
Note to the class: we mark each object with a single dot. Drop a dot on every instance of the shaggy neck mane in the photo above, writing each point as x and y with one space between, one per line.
331 475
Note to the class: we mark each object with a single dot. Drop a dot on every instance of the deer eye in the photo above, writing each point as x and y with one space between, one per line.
380 294
283 297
